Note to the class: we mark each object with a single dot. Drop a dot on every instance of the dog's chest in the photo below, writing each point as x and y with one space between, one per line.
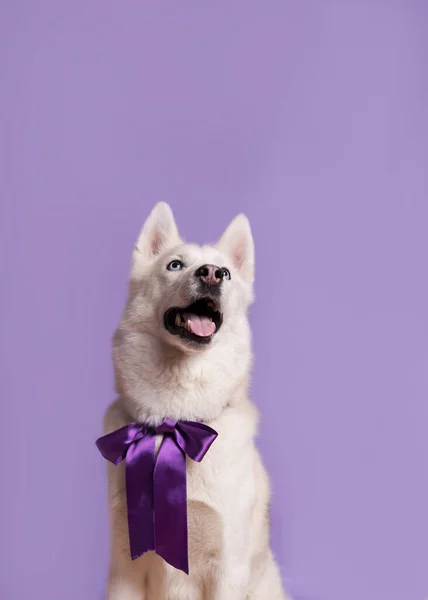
226 474
224 480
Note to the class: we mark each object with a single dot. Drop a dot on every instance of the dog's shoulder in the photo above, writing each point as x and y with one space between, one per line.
242 417
115 417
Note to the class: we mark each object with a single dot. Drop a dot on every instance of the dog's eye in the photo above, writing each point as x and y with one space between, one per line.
226 273
175 265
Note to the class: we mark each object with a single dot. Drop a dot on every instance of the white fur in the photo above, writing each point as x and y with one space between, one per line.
159 375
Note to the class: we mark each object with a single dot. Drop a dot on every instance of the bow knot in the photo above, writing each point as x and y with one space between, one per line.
156 488
167 426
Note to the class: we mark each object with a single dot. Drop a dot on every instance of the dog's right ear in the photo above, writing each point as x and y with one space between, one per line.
237 242
159 233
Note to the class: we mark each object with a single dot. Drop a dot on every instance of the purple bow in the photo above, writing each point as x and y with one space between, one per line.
156 487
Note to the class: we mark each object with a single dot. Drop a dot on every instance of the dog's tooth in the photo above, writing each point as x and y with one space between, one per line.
178 320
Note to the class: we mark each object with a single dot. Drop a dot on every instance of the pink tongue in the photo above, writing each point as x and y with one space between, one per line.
199 324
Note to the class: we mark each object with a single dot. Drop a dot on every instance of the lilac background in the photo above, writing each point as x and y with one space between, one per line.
311 116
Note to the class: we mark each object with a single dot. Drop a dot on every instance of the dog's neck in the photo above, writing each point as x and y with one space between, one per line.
155 382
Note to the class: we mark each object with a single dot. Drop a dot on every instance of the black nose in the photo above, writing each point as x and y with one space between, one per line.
210 274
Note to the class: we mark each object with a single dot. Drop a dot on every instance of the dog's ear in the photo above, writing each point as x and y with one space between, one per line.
159 233
237 243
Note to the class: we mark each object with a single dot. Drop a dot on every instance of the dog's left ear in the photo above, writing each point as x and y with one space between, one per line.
237 243
159 233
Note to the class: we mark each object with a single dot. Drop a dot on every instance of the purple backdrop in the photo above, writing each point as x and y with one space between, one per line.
312 118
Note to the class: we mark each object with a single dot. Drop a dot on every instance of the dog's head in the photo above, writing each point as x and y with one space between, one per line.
187 296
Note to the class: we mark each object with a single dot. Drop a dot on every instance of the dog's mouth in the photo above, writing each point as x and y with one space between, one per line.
198 322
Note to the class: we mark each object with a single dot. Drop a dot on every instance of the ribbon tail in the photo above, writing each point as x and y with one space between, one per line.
170 501
139 495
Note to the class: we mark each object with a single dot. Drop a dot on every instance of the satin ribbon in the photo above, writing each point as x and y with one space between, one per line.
156 487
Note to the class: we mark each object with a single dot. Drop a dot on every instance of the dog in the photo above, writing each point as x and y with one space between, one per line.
182 351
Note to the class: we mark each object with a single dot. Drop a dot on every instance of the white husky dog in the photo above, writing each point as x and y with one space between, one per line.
182 351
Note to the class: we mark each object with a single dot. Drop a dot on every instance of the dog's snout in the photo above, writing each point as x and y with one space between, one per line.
210 274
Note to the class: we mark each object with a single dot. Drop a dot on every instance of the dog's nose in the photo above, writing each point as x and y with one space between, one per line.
210 274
